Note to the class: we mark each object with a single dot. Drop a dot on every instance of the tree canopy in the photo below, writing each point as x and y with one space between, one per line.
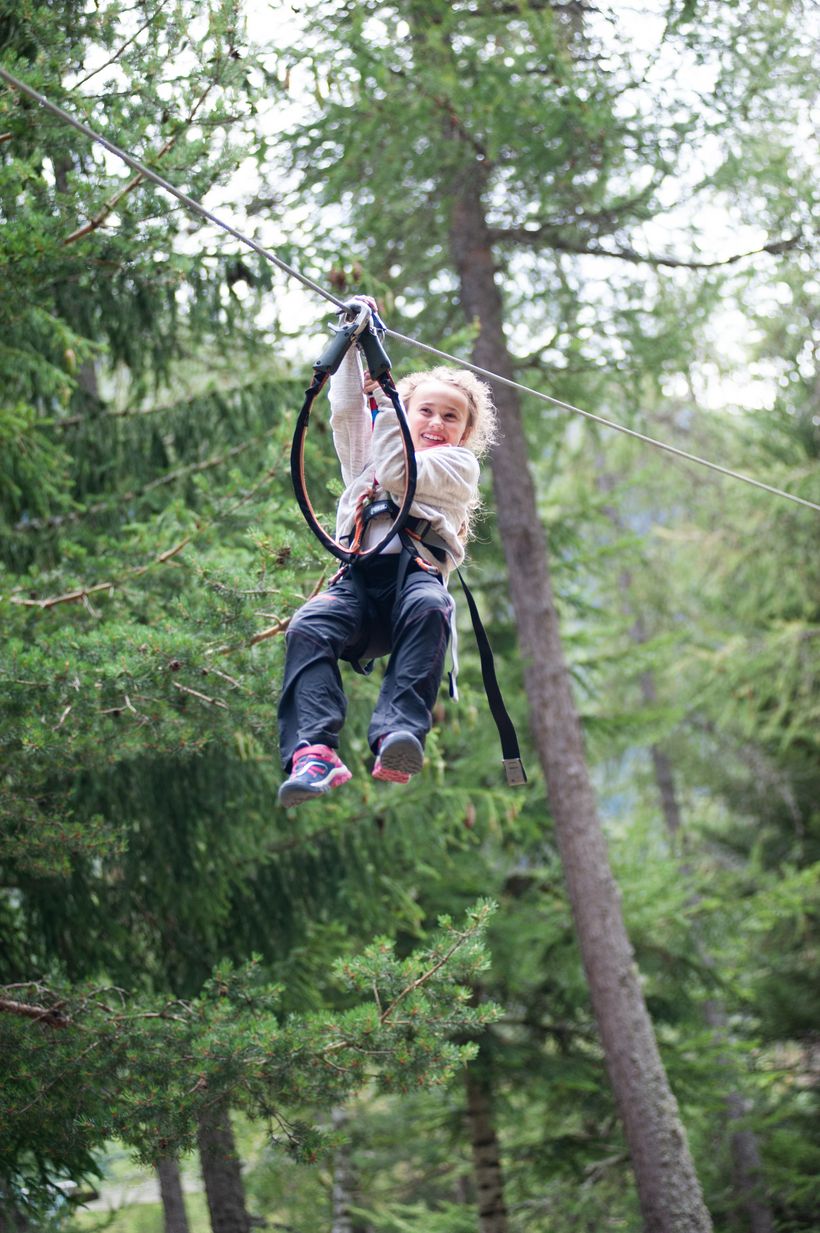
171 940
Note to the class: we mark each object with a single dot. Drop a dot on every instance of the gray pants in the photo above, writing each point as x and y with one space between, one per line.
360 617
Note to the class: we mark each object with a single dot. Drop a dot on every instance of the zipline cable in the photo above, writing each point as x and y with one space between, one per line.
197 208
600 419
187 201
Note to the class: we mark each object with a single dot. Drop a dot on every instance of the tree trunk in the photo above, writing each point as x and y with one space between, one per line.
173 1202
489 1179
750 1205
12 1219
751 1208
343 1186
221 1172
669 1192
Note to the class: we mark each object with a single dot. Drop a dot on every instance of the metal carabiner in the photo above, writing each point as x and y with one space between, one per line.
356 315
361 320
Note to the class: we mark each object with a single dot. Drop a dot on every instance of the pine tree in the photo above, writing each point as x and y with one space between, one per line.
497 165
148 531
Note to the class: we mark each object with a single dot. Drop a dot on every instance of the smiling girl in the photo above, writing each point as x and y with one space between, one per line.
377 607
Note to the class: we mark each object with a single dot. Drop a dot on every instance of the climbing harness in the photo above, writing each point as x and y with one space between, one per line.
416 532
358 328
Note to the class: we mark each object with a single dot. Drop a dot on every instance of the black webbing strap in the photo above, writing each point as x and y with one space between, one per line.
511 755
351 334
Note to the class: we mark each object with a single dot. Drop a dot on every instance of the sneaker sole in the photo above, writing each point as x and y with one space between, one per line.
401 752
291 794
388 776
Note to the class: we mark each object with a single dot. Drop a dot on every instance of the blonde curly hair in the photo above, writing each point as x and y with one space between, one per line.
483 422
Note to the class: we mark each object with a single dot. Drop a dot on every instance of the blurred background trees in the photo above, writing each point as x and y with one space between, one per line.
151 550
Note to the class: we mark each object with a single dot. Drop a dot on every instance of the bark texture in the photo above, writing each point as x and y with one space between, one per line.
173 1203
668 1188
344 1184
748 1189
489 1178
221 1174
751 1207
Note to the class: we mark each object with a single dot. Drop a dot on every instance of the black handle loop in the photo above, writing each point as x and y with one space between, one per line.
327 363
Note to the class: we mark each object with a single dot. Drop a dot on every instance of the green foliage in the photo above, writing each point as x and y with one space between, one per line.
85 1064
149 539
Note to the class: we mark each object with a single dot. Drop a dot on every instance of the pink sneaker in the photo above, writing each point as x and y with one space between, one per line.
400 756
315 770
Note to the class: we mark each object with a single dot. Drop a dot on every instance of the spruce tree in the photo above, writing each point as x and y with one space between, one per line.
516 141
149 569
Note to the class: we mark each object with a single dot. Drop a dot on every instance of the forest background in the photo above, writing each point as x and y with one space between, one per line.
395 994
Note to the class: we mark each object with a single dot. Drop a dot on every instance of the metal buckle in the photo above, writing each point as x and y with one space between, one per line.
514 771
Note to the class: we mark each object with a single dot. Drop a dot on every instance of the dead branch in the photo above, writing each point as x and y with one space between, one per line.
278 627
137 571
195 693
71 597
99 218
79 596
52 1016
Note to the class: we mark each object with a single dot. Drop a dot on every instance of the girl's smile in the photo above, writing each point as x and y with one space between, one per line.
437 414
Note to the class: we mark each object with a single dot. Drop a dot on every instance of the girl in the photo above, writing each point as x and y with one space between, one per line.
365 613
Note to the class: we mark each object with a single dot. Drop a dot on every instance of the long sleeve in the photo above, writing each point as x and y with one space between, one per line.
350 418
447 476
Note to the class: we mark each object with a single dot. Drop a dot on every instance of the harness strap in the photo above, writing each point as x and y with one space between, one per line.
351 333
511 755
416 529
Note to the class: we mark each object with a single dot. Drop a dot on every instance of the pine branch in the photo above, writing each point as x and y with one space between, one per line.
443 104
113 60
101 507
52 1016
137 571
186 689
595 219
532 237
279 626
99 218
425 977
78 596
70 597
73 421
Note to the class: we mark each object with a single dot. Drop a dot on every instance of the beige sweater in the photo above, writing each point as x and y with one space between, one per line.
447 475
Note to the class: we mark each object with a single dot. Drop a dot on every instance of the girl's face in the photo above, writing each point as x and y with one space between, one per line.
438 414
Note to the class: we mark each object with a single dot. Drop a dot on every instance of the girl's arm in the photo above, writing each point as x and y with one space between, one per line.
350 418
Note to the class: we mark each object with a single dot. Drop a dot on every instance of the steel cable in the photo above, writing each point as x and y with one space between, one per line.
197 208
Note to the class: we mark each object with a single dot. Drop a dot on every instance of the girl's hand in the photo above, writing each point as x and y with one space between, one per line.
368 299
370 383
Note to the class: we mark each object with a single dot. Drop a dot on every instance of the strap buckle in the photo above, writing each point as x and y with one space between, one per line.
514 770
355 316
